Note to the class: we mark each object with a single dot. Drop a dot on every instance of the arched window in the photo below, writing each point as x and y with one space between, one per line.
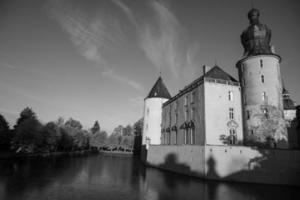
175 142
192 136
185 136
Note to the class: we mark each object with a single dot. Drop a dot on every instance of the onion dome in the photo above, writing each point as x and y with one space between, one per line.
159 90
288 103
256 38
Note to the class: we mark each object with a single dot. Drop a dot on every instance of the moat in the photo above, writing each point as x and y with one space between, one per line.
117 177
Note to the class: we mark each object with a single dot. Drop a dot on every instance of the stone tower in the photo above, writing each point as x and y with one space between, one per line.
261 83
153 113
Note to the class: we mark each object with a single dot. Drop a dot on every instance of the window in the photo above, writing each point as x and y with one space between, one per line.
186 113
175 105
176 117
230 95
243 82
185 136
186 100
262 78
192 113
231 113
232 136
193 97
264 96
192 135
248 114
261 63
252 132
266 112
175 142
170 113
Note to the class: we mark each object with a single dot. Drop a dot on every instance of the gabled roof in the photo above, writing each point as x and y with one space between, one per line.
159 90
214 73
217 73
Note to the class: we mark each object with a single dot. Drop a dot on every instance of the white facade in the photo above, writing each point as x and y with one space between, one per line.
223 113
152 120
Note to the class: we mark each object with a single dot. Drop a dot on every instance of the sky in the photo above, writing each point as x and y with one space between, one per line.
98 59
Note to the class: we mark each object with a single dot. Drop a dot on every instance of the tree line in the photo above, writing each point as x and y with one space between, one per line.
29 135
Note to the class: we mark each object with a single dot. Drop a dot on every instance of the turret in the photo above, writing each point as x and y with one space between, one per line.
260 78
153 113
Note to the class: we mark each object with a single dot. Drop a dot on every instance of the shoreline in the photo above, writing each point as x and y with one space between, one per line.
117 153
11 155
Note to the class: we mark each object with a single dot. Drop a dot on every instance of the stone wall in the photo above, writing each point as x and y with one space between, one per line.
230 163
185 159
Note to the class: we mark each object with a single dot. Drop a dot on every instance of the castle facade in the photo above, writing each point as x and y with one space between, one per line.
216 109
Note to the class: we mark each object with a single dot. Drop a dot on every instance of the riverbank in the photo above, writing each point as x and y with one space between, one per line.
116 153
11 155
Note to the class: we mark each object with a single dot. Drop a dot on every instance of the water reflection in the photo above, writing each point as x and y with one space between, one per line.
108 177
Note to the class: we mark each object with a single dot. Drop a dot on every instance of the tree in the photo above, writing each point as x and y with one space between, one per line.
96 127
138 131
127 131
27 113
51 136
138 127
98 139
28 138
65 142
73 124
5 136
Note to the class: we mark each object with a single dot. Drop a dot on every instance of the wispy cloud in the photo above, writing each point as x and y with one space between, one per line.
90 37
164 45
111 74
127 11
93 37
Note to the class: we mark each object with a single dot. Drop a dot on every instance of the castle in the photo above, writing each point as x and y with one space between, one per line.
216 109
223 129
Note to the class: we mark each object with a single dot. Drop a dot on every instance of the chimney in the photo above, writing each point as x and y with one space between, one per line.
206 69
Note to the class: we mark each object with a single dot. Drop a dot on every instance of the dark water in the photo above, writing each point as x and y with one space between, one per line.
107 177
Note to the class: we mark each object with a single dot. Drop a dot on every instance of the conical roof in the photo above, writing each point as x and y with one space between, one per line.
159 90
